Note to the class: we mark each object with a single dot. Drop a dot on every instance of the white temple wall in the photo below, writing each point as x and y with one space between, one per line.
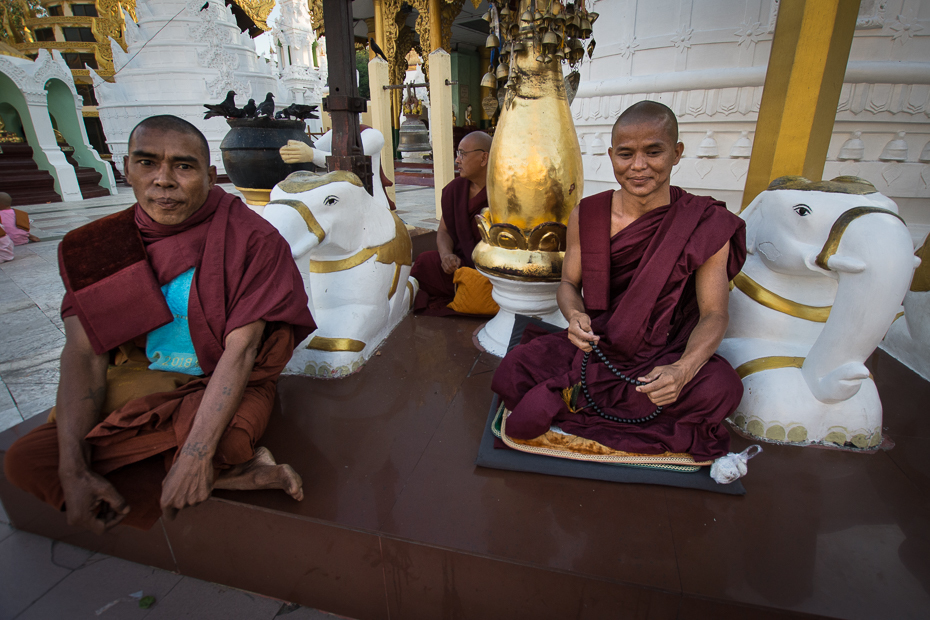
180 57
706 59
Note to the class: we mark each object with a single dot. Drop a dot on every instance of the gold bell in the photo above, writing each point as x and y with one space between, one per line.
505 12
502 71
527 16
551 39
493 41
593 17
585 29
489 81
487 17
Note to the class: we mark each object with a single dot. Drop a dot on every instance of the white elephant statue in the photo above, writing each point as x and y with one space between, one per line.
372 144
828 266
355 256
909 340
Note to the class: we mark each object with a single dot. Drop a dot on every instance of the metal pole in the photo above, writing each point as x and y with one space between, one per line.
343 102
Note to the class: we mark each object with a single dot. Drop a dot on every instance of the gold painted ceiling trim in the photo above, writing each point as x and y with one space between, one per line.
765 297
258 11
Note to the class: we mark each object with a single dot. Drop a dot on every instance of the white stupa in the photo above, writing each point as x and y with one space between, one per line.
181 54
293 37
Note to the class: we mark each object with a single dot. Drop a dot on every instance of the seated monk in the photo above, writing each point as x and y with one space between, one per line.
15 221
651 296
209 292
462 200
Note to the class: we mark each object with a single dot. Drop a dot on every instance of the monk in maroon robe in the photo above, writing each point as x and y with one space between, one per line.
458 234
654 263
171 437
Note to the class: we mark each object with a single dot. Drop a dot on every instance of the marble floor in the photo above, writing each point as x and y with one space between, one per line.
31 331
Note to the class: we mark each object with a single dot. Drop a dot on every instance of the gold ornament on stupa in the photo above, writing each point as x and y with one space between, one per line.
535 175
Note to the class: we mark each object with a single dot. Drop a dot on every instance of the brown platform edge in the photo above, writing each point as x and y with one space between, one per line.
363 573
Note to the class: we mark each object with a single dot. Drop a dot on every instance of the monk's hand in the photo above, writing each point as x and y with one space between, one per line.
92 502
580 332
664 384
296 152
450 262
190 480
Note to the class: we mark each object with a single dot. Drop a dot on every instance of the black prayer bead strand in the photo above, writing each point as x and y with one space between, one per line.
620 375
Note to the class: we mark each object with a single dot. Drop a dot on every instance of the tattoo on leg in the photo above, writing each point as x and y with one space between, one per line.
96 396
197 449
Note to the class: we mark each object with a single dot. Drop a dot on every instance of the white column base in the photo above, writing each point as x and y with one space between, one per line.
535 299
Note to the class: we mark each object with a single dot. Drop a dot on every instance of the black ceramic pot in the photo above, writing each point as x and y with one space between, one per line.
250 151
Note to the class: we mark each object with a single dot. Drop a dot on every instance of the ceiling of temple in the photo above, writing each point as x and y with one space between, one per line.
469 31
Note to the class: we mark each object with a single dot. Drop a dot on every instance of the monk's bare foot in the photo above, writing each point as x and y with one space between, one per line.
262 472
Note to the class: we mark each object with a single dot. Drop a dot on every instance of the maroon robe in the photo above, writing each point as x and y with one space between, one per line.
639 289
458 214
112 269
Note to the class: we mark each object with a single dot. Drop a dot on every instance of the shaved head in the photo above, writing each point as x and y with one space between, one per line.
476 140
648 112
6 201
168 123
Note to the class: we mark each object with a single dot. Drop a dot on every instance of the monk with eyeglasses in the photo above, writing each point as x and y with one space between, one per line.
462 200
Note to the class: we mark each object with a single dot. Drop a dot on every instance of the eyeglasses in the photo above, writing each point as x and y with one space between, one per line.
461 154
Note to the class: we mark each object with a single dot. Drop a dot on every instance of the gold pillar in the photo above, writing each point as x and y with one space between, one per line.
379 24
484 55
435 25
805 73
370 23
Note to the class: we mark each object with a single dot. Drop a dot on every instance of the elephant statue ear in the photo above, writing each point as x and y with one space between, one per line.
752 215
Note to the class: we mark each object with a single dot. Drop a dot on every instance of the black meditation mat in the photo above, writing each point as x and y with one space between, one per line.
514 460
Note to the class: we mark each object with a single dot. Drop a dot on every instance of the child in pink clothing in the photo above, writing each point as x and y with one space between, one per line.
8 220
6 246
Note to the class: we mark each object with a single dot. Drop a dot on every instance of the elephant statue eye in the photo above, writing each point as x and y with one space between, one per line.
802 210
330 201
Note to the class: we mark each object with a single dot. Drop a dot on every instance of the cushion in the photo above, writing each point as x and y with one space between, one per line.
472 293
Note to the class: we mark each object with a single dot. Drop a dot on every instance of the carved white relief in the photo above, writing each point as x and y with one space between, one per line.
871 14
211 30
891 173
629 48
853 149
750 33
708 146
896 149
925 154
682 38
703 167
903 28
739 169
742 148
773 16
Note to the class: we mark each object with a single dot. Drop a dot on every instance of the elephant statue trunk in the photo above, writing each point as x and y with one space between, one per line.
830 262
871 285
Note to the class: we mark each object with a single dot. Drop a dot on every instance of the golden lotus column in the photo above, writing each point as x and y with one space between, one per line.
535 180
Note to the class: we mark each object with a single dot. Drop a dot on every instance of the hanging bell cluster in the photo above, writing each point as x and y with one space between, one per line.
552 30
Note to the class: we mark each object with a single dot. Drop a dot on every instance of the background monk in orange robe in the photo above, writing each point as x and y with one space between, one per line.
462 200
105 462
645 280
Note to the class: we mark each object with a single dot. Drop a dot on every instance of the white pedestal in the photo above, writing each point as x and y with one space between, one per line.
535 299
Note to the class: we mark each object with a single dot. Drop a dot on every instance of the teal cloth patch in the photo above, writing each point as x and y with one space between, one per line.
170 347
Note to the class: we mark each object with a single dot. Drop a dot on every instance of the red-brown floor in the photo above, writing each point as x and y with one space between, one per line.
399 523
